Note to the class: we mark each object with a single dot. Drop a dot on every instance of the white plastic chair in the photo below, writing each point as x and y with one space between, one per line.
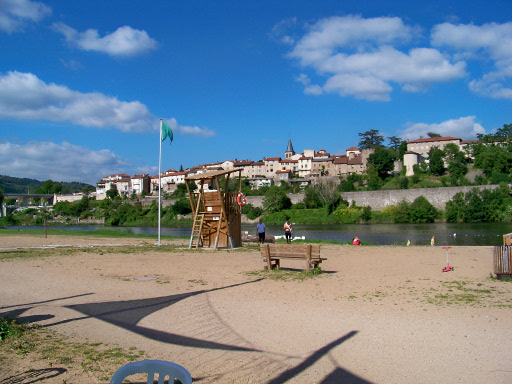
163 368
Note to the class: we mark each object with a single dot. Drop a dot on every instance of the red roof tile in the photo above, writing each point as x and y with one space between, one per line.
430 139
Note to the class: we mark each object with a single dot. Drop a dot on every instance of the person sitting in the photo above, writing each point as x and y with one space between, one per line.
356 241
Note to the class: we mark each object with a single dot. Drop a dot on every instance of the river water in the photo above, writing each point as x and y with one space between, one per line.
446 234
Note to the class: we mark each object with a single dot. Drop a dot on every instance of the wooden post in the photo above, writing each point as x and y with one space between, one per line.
308 256
223 214
267 254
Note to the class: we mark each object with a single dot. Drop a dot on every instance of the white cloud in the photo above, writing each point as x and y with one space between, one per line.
360 86
489 41
125 41
359 57
465 128
24 96
15 13
188 130
309 89
280 31
64 162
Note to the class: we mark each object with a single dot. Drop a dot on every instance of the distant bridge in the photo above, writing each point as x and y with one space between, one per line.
26 196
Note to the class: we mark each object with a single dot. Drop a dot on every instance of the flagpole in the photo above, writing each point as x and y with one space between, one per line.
159 182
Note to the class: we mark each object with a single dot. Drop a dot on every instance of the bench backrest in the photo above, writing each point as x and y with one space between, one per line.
291 250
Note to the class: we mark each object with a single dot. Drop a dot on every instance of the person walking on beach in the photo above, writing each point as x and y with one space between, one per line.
433 241
288 231
261 231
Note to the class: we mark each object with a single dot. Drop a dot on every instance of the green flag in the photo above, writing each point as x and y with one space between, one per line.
166 131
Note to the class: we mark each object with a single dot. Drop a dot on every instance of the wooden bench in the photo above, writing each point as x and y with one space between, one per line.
273 254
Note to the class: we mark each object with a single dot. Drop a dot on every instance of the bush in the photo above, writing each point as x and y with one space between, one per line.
276 200
251 211
181 206
366 215
351 215
398 213
404 182
10 329
421 211
480 206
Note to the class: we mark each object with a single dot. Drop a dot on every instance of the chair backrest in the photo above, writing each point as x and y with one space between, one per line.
163 368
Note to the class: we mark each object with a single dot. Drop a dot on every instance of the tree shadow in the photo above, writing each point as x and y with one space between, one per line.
127 314
35 375
47 301
338 376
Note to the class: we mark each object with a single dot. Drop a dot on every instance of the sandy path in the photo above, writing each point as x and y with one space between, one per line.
376 316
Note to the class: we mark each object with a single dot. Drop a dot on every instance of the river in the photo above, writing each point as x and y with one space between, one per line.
446 234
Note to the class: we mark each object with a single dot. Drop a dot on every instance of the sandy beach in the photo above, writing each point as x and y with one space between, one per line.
377 314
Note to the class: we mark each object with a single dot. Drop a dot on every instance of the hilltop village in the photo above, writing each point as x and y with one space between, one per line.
305 168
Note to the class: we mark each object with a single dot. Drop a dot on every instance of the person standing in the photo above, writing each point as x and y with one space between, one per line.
433 241
261 231
288 231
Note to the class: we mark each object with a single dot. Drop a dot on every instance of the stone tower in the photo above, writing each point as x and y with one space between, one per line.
289 151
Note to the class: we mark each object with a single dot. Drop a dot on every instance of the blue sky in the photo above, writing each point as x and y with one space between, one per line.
83 85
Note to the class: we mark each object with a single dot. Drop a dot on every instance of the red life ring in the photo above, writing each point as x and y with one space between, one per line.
240 199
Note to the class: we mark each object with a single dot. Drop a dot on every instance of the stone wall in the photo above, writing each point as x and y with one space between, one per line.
377 200
257 201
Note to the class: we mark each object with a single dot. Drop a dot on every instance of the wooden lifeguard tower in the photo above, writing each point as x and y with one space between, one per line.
217 213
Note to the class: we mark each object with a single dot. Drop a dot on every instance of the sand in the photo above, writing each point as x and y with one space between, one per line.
377 314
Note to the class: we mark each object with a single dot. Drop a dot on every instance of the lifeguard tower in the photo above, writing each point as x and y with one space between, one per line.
217 212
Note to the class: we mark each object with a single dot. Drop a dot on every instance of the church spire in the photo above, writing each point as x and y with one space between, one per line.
289 151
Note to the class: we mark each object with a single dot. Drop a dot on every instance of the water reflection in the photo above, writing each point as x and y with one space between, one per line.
378 234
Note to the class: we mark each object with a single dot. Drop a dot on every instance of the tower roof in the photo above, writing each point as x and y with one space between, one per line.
290 146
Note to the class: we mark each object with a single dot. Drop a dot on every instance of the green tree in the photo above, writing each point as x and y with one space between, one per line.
370 139
382 161
403 182
394 142
456 162
1 196
501 135
480 205
401 212
421 211
276 200
181 189
436 161
374 182
181 206
50 187
251 211
112 193
311 198
398 147
493 159
433 134
327 192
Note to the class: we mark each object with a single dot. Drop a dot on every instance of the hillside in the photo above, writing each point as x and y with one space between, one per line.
10 184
